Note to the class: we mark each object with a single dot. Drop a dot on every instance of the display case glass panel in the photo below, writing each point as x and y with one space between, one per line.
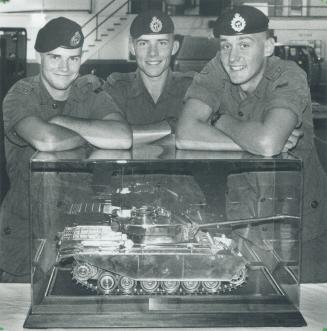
164 238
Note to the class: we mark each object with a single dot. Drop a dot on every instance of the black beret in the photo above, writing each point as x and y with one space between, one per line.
151 22
240 20
59 32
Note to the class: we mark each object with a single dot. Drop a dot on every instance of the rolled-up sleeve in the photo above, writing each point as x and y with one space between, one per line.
208 85
17 106
290 91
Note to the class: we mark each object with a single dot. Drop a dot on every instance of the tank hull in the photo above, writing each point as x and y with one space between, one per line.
110 263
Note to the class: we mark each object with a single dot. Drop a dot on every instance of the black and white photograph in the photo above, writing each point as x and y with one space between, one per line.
163 165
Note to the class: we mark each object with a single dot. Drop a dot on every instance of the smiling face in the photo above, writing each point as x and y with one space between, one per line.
59 69
244 58
153 53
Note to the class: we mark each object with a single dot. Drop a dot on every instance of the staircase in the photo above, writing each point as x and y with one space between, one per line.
105 25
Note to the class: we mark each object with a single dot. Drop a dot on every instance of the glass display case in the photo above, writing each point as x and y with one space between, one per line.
155 237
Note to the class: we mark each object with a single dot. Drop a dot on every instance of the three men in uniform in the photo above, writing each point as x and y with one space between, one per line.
243 99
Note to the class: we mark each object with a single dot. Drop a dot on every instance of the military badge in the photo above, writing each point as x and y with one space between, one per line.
238 23
75 39
155 25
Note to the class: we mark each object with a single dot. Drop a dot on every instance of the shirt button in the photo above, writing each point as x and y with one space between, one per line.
7 230
240 113
54 106
314 203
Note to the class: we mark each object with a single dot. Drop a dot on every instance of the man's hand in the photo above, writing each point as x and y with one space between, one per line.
293 139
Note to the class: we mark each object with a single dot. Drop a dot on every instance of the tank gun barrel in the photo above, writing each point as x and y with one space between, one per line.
196 227
251 220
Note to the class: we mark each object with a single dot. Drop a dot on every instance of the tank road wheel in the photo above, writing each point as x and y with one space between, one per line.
190 286
83 271
149 286
106 283
127 285
211 286
239 278
170 286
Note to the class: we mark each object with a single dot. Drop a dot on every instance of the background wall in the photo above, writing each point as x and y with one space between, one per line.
116 48
285 30
33 5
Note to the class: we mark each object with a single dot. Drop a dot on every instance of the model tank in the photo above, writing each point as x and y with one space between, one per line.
149 250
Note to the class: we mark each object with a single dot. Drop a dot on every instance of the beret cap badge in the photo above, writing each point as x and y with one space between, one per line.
155 25
75 39
151 22
238 23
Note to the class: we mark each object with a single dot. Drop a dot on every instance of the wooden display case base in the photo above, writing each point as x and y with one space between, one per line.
164 311
165 319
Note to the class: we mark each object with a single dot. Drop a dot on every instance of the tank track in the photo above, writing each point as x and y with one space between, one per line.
106 283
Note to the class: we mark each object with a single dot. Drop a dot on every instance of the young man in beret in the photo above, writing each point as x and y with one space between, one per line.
247 99
53 111
152 97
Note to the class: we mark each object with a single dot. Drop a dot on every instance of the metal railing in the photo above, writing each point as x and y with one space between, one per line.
95 19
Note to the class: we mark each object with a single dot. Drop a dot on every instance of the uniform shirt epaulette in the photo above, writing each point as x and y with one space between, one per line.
279 66
23 86
89 82
120 77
